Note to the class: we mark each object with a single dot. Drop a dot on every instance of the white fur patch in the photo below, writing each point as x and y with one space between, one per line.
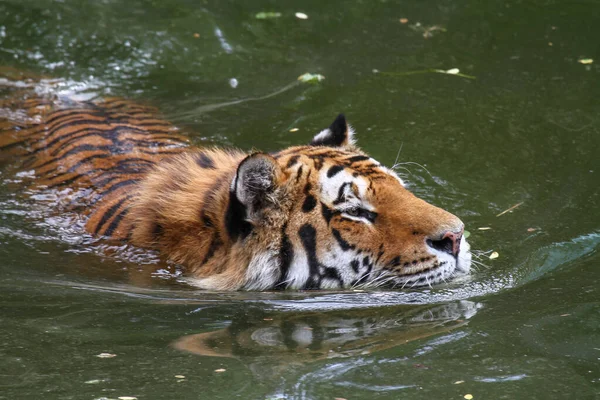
392 173
263 271
330 186
326 133
298 273
321 136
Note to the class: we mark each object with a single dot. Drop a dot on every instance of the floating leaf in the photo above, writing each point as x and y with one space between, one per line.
427 31
311 78
484 228
180 376
585 61
466 234
459 382
301 15
453 72
106 355
468 396
220 370
403 20
127 398
494 255
267 15
294 130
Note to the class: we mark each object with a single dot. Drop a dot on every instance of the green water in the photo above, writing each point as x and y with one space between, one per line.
526 130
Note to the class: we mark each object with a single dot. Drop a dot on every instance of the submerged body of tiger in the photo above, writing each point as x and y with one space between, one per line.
324 215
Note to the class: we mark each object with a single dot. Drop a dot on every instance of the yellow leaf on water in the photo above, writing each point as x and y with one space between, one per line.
494 255
459 382
311 78
220 370
267 15
468 396
585 61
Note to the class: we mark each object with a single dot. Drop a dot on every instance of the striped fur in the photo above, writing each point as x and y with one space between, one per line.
324 215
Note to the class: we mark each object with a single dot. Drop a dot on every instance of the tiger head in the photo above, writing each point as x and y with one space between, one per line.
329 216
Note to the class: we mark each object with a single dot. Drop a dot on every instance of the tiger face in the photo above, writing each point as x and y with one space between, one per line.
328 216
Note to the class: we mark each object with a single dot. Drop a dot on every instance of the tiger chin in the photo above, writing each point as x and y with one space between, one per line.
321 216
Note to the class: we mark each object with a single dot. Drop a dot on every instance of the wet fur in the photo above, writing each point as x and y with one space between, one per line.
233 220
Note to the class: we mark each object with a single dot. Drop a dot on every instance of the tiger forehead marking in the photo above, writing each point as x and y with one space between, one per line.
324 215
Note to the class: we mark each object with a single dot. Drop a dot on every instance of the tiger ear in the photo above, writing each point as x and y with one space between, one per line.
257 177
339 134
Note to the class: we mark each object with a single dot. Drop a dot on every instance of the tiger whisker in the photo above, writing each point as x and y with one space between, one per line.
359 280
416 163
428 283
398 155
479 263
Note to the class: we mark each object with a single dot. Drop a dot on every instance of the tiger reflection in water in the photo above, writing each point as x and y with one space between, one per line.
272 344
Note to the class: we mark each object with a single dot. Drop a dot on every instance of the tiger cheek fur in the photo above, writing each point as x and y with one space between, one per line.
320 216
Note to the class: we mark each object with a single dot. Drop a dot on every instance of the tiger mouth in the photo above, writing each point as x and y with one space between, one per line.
443 271
440 273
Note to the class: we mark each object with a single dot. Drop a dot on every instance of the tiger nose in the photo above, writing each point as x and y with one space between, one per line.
448 242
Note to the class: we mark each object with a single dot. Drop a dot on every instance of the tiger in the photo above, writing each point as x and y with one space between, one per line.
324 215
284 339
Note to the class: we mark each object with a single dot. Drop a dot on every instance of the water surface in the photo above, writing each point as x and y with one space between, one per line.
525 130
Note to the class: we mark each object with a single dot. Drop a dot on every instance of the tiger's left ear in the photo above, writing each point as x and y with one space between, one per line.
256 180
339 134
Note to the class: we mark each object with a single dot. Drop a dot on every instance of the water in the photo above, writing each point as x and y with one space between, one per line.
526 130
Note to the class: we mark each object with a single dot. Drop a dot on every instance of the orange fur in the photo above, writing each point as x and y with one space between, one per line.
318 216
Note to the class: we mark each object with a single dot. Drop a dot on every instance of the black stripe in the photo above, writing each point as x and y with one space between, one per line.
286 256
355 265
115 222
235 219
326 212
334 170
343 244
354 159
118 185
215 243
309 203
109 213
299 173
96 129
292 161
342 193
204 161
308 237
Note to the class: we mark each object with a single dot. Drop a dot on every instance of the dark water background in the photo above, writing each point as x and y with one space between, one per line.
525 130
